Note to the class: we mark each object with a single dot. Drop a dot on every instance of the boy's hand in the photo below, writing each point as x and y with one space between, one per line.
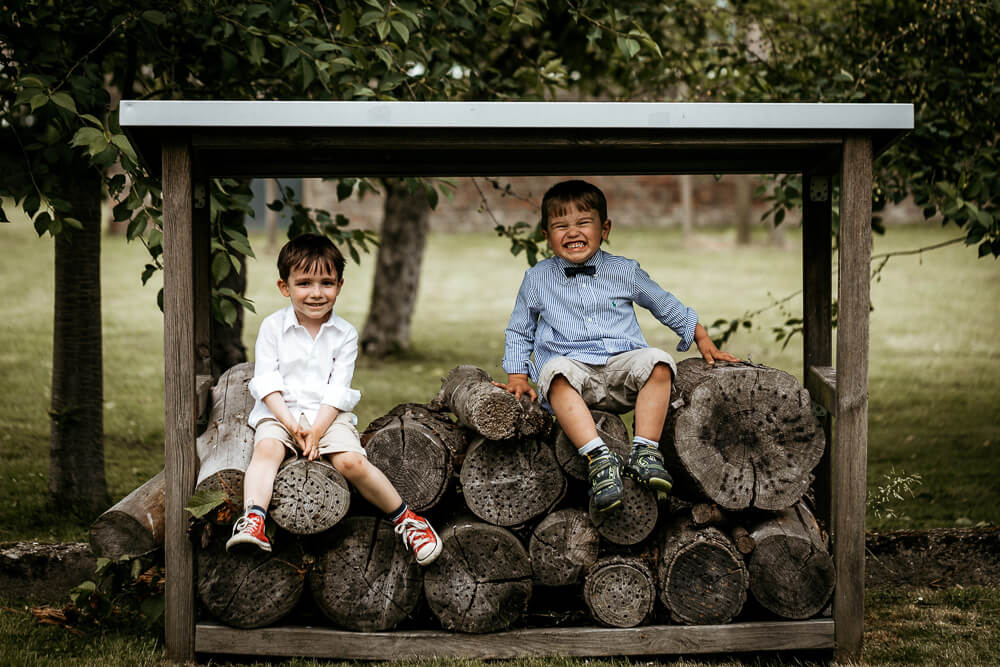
517 384
310 446
708 349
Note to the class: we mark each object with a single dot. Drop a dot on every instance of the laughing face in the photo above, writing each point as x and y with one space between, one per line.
576 235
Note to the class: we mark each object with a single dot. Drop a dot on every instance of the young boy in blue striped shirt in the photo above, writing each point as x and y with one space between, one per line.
574 314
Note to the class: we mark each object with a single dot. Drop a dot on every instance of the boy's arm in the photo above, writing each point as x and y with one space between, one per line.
338 393
275 402
267 384
519 343
708 349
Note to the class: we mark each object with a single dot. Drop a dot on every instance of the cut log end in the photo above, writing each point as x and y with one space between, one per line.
309 496
620 592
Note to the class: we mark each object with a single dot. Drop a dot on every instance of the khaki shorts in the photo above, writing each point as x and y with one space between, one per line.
340 437
613 386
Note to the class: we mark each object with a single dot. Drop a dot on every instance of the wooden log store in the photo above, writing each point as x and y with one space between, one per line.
189 142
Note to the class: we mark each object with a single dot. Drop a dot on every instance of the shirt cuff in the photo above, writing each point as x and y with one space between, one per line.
520 367
268 383
687 337
341 397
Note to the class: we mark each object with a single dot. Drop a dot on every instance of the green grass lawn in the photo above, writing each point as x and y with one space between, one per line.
934 378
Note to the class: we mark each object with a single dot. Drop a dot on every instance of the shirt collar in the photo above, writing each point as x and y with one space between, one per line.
290 320
560 264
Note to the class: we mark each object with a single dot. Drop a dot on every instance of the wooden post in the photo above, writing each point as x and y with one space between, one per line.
851 448
180 406
817 346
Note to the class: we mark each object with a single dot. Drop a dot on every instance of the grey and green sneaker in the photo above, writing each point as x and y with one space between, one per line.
645 465
605 472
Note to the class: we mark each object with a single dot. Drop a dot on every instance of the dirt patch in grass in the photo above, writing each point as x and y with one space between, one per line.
938 557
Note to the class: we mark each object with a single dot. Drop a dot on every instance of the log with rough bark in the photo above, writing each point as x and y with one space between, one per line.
743 436
488 410
308 496
249 588
481 582
562 546
702 578
510 482
620 591
536 422
364 578
134 525
416 448
632 521
226 446
791 571
612 430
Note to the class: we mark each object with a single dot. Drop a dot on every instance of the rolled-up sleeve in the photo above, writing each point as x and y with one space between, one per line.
338 392
520 333
266 377
665 307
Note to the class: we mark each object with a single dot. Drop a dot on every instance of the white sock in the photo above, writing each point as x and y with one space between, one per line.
591 446
639 440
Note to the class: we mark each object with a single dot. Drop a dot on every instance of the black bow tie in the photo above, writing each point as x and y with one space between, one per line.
577 270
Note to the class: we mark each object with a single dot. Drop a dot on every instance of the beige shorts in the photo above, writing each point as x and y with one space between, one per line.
340 437
613 386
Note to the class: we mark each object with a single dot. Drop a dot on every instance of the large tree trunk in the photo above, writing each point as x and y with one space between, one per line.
249 588
791 571
620 591
416 448
510 482
397 270
365 579
76 463
742 435
702 577
481 582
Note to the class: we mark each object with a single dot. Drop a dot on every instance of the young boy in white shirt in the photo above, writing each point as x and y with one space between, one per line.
303 365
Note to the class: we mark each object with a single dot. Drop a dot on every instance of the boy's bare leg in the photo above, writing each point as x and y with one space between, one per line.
367 479
652 403
572 413
258 482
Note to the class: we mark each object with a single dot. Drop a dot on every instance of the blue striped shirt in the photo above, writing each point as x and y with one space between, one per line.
587 318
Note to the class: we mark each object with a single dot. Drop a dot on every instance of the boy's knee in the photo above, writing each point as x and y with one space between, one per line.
269 449
349 464
661 373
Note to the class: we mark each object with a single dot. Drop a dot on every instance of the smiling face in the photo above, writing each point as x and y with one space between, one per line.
576 235
313 294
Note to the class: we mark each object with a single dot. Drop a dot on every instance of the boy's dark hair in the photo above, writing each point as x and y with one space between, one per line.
310 253
585 196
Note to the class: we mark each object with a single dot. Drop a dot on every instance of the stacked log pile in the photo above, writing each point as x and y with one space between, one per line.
507 493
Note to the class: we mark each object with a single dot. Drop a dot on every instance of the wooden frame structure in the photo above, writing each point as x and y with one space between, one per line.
190 142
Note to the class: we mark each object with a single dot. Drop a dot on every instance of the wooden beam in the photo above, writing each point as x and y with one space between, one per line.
821 381
816 634
180 403
851 446
817 336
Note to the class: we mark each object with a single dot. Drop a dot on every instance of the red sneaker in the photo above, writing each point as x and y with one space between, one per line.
419 536
249 529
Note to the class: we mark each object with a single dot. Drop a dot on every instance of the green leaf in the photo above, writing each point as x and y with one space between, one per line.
227 310
347 23
289 55
401 30
122 142
382 27
345 187
220 267
39 100
92 119
73 222
65 101
154 16
384 56
256 51
203 502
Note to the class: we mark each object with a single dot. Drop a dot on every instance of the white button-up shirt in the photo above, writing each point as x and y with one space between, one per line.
308 372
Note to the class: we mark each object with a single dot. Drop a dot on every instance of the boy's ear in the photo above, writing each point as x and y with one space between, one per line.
283 288
605 229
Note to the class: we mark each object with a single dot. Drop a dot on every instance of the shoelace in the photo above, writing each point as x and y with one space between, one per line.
253 522
415 533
